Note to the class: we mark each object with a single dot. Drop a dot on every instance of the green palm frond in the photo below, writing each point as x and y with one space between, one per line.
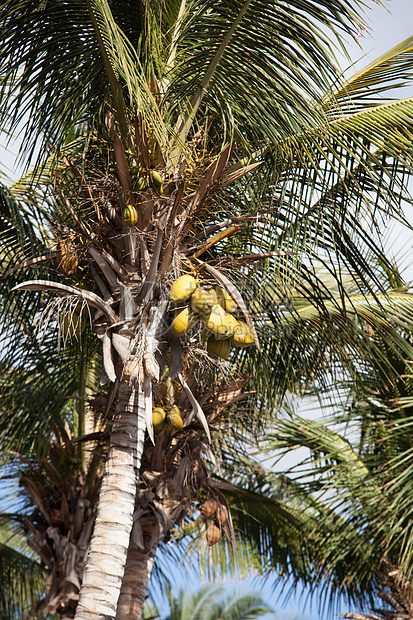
313 332
393 69
58 98
359 467
22 577
274 83
47 374
287 529
82 33
326 445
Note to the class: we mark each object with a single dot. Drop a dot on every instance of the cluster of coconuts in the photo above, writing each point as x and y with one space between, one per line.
170 419
130 215
214 309
212 509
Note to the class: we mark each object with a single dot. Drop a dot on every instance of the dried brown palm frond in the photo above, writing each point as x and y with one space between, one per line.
396 592
63 497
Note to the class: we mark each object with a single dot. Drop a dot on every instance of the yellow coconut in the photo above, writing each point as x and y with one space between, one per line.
130 216
225 300
231 322
219 322
201 301
174 409
182 288
220 348
243 335
158 416
183 322
67 258
175 421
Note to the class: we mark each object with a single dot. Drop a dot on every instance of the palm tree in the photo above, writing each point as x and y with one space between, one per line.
182 141
210 602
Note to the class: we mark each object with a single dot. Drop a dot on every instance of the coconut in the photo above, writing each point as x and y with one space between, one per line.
219 322
201 301
220 348
182 288
208 508
221 514
156 177
225 300
157 182
130 216
243 335
183 322
158 416
213 534
175 421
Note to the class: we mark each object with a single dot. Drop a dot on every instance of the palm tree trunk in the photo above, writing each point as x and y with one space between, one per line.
136 580
106 560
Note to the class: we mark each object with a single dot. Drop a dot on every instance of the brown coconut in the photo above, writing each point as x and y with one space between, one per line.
208 508
221 514
213 534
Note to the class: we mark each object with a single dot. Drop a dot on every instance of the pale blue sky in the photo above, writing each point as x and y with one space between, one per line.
388 26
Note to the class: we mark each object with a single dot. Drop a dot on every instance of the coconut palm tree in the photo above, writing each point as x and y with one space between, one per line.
211 602
182 142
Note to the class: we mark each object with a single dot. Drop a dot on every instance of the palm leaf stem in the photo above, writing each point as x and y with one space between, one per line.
184 124
175 37
101 6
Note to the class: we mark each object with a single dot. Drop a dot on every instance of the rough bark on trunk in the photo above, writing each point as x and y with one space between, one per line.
161 502
105 565
136 580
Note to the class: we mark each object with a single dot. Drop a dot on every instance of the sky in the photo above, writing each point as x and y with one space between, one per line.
388 26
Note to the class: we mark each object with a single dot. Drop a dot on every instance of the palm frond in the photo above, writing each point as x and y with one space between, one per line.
393 69
276 81
22 577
